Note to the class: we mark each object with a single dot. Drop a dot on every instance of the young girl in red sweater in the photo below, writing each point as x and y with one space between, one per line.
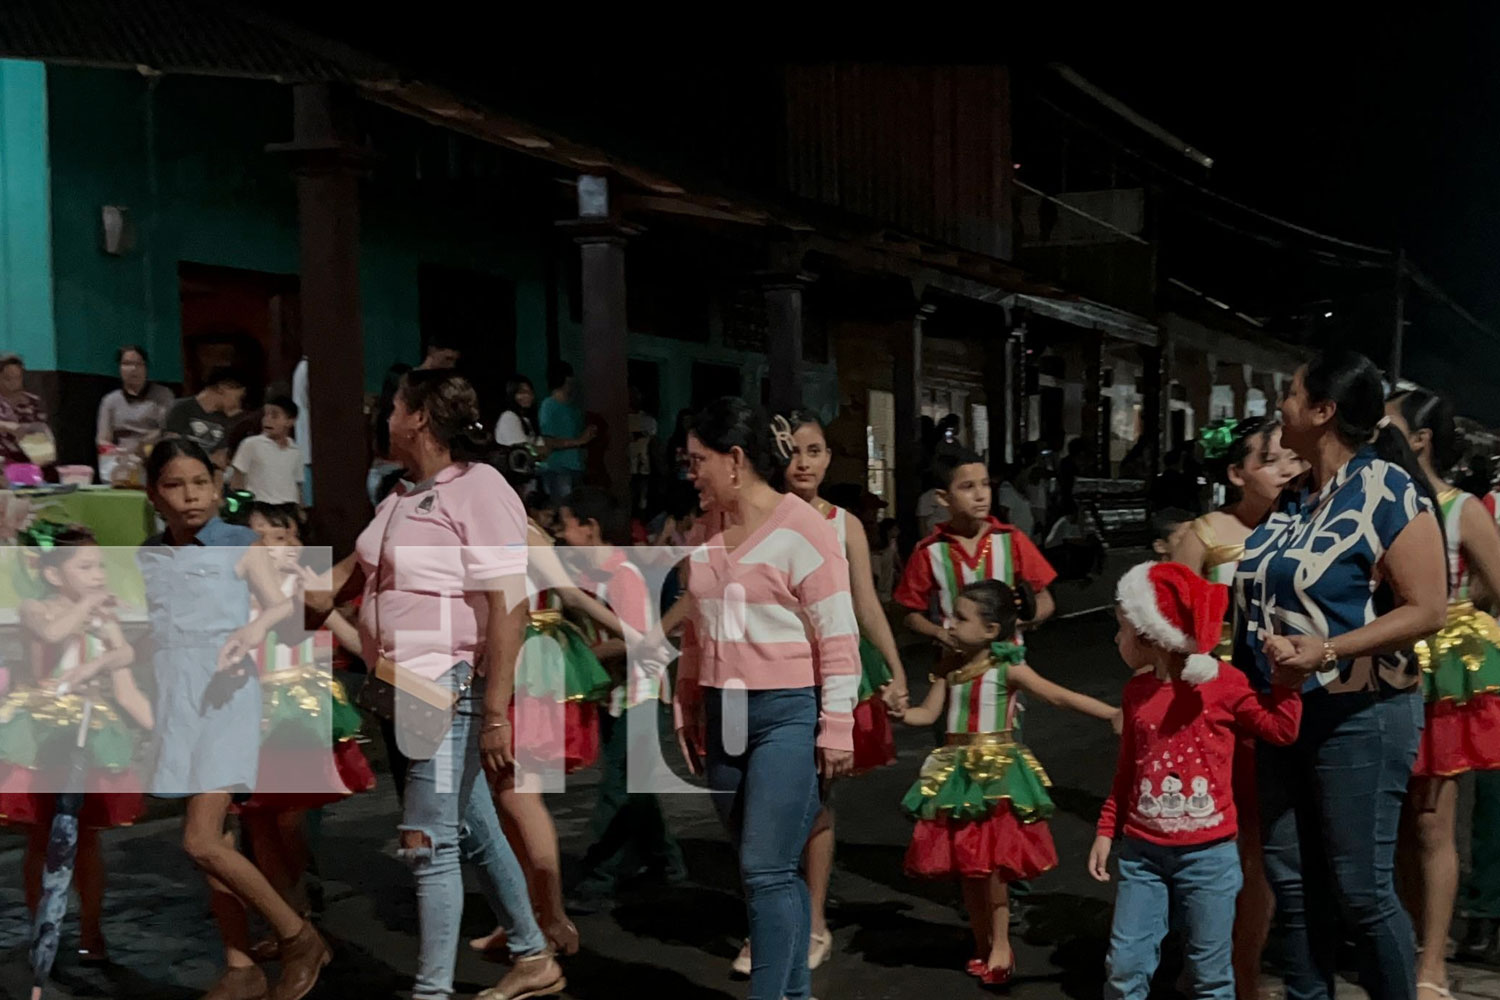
1173 798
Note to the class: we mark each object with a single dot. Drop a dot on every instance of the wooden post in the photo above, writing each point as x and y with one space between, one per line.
327 163
1155 403
997 391
910 462
605 379
784 337
1095 431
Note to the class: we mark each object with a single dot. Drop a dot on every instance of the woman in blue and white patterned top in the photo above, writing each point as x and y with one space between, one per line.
1339 583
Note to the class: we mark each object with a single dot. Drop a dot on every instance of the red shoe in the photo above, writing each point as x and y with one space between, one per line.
976 967
995 976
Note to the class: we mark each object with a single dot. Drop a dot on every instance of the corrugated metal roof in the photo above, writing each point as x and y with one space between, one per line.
170 36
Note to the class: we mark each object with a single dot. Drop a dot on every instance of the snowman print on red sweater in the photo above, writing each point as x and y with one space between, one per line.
1174 812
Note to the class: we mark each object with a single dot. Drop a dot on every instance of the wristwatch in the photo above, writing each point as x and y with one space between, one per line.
1330 657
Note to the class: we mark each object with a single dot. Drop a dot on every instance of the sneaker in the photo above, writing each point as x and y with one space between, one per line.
741 964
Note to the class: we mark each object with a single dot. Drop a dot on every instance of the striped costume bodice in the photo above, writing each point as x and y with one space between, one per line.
276 654
985 704
953 569
76 650
840 518
1451 502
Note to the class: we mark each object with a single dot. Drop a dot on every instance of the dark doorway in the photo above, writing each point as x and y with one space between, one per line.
711 381
248 319
474 312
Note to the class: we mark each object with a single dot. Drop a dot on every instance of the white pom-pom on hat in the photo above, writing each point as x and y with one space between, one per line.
1200 668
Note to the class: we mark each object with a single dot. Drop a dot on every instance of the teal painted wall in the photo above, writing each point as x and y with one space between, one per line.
26 305
188 157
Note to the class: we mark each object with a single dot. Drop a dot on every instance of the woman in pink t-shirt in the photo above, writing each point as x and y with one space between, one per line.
768 673
442 569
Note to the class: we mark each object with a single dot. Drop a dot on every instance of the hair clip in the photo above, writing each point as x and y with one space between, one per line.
781 436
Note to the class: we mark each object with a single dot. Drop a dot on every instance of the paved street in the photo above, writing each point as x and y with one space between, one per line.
894 937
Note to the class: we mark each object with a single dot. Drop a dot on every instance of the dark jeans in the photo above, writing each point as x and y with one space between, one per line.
629 830
765 787
1481 895
1330 807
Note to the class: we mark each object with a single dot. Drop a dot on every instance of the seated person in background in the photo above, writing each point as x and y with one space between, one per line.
205 418
1073 545
269 464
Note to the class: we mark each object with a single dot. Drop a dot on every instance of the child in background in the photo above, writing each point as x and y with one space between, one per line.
1173 796
310 757
886 557
970 545
77 654
629 830
1167 525
981 802
269 464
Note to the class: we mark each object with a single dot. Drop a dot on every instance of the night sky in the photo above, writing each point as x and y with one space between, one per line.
1391 140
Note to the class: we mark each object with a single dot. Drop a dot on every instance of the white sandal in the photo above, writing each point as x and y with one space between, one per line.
1441 991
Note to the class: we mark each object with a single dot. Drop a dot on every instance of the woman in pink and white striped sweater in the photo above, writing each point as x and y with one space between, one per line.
768 674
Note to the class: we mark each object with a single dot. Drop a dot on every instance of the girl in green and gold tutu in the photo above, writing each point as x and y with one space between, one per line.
79 660
981 802
309 755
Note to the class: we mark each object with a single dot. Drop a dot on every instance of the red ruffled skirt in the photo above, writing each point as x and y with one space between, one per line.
295 780
1460 737
999 844
874 743
572 734
113 798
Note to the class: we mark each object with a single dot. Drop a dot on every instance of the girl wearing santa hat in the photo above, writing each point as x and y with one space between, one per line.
981 801
1173 797
1460 682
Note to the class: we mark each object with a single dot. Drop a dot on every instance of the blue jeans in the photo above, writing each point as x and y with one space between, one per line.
448 800
765 787
1201 883
560 483
1330 808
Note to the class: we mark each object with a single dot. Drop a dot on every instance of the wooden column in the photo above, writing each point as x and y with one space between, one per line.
1155 405
997 392
784 341
1237 377
1095 432
1196 372
327 162
910 462
605 376
1266 383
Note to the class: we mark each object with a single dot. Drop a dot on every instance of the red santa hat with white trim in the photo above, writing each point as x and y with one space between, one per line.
1176 609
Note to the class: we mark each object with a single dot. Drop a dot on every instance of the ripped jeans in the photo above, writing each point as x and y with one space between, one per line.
448 800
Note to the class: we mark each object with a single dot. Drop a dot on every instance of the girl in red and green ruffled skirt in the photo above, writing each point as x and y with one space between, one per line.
981 801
